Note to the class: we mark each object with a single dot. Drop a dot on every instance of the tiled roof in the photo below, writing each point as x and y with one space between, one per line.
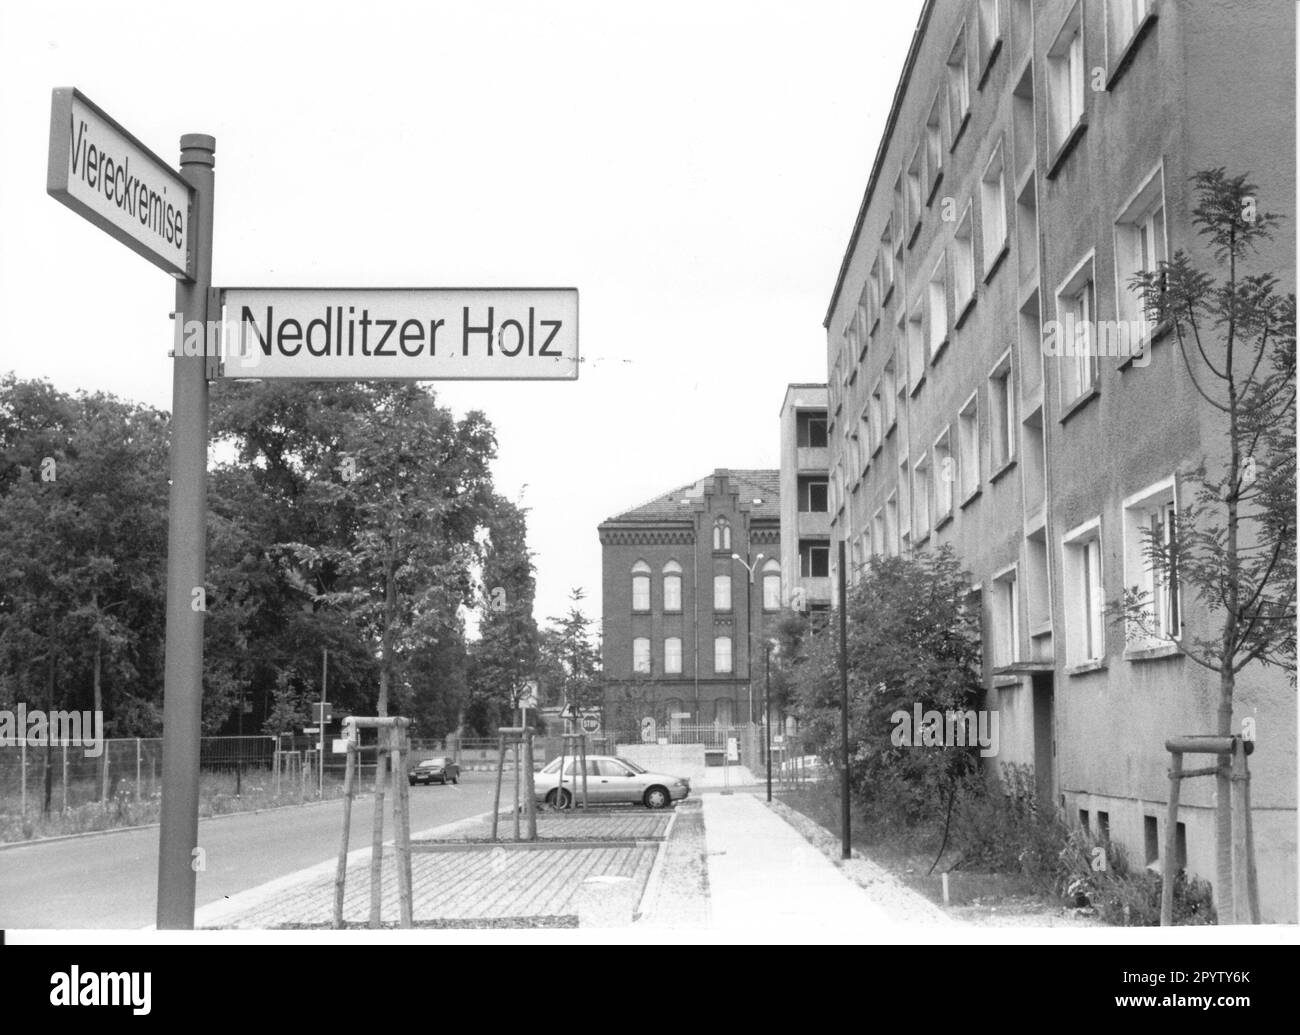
761 485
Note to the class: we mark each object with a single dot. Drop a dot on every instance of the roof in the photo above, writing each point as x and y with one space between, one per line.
753 485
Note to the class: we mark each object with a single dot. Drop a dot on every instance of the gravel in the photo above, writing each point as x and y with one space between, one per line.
680 898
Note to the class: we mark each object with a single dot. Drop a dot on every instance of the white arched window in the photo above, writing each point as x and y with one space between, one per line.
722 654
772 586
640 586
673 655
722 534
722 592
672 586
641 654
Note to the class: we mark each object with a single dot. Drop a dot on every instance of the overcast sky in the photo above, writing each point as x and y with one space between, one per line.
694 169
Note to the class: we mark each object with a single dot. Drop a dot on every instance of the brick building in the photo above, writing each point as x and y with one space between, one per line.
680 614
1036 155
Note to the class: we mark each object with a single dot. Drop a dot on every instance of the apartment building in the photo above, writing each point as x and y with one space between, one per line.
1036 155
805 500
691 587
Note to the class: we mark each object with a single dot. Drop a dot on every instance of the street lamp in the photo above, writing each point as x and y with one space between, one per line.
768 648
749 626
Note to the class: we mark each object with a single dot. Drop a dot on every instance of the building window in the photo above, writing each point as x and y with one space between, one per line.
944 474
875 415
869 305
1002 415
722 592
641 655
672 586
810 429
814 560
813 498
724 711
1085 607
937 308
989 29
915 172
958 86
772 586
640 586
888 397
1006 619
915 349
1122 20
934 148
993 208
921 499
886 262
675 713
1065 80
891 525
963 262
722 534
968 447
1075 344
722 654
903 524
1150 568
1140 247
878 544
673 656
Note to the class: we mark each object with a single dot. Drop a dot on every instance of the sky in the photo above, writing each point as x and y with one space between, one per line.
693 168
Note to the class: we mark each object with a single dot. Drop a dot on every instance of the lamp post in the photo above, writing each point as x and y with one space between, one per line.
767 708
749 626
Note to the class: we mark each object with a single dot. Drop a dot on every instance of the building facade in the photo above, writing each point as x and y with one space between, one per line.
1036 156
805 499
683 624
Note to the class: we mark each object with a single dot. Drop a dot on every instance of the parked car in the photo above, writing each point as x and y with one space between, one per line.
444 770
609 779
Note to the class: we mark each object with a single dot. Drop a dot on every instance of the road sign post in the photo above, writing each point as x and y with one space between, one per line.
186 564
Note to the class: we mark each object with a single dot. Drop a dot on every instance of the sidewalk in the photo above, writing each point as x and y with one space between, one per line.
767 882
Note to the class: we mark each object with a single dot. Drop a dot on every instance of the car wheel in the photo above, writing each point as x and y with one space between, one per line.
657 798
559 799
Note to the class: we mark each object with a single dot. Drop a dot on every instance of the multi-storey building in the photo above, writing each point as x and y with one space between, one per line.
805 509
691 586
1037 155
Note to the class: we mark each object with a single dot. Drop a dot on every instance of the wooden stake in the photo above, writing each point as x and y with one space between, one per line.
496 797
530 787
349 776
402 831
1240 852
377 834
1171 841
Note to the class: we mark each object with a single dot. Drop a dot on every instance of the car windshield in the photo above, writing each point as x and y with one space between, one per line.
631 765
436 762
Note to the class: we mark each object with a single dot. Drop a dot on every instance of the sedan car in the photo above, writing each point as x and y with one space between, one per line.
443 770
609 780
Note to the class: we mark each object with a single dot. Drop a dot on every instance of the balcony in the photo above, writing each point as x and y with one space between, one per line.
813 524
816 590
809 459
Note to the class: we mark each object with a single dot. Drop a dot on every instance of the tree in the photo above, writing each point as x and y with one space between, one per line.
1233 543
570 663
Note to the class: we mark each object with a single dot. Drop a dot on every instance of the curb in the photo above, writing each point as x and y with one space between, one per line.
650 893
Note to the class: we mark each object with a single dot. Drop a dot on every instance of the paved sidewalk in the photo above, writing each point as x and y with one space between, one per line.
766 882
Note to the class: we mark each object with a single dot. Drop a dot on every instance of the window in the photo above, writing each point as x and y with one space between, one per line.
810 430
915 172
993 209
1084 604
1074 346
674 710
888 397
904 522
722 592
1150 568
878 545
968 447
921 499
900 374
1002 415
722 534
640 586
915 349
1122 20
1065 80
958 86
937 308
934 148
772 586
1140 246
673 655
813 495
990 31
814 560
1006 619
724 711
891 525
944 473
722 654
886 262
963 262
641 654
869 303
875 417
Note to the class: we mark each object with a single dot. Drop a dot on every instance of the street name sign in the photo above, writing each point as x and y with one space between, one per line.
105 174
433 334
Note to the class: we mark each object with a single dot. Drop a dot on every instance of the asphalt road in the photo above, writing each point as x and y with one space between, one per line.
110 880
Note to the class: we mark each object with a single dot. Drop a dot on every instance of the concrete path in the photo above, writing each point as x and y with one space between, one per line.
766 882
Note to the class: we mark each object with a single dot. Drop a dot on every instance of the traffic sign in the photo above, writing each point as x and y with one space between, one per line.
569 712
418 334
590 724
311 729
733 749
105 174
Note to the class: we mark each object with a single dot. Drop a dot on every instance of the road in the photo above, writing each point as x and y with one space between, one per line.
110 880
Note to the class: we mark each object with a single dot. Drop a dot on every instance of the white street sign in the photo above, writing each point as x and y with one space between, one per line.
421 334
733 749
102 172
340 746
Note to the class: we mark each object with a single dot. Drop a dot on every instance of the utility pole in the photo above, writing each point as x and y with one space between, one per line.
767 709
845 850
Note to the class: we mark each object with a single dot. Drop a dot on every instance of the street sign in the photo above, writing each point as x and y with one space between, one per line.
316 709
419 334
733 749
340 746
569 712
105 174
528 694
590 724
311 729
